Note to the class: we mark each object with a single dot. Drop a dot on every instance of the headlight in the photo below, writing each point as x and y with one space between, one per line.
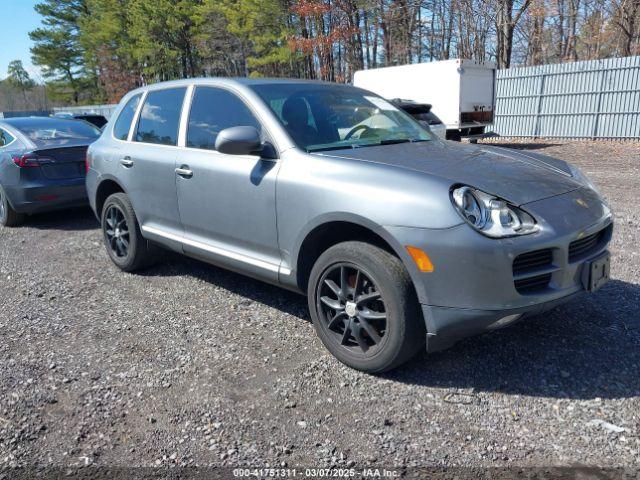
491 215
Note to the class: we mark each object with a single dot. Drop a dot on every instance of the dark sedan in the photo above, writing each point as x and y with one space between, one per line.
42 165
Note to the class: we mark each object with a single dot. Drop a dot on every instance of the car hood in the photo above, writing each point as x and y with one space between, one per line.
517 177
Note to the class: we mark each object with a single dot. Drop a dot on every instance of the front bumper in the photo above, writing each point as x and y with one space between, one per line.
453 324
473 282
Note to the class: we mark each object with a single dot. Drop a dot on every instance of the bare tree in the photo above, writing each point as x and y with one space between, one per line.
625 15
508 15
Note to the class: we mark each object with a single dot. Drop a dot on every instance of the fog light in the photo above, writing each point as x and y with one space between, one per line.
504 321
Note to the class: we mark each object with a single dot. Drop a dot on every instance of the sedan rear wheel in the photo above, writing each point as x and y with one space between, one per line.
364 307
8 216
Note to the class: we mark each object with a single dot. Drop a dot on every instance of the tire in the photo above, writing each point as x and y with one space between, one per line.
8 216
372 344
126 246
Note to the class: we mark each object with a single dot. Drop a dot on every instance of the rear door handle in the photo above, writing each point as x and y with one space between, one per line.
184 172
126 162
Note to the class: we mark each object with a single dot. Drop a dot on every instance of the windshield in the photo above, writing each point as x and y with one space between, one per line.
49 130
330 117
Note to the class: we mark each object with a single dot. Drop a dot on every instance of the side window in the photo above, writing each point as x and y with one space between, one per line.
5 138
213 110
160 117
123 124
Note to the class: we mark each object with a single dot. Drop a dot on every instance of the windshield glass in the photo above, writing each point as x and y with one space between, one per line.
51 130
330 117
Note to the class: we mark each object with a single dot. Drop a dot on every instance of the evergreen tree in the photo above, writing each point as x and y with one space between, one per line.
57 49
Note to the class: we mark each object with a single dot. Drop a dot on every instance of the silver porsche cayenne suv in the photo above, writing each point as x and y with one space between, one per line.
397 238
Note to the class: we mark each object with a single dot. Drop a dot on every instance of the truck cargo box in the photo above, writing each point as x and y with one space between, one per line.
461 92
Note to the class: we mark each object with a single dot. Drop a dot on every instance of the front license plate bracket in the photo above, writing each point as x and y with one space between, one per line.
595 273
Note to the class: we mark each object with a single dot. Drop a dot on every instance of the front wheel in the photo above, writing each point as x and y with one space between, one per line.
126 246
364 308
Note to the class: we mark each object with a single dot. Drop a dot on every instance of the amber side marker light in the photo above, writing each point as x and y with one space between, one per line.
421 258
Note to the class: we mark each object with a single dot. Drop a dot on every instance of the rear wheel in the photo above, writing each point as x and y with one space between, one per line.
126 246
8 216
364 307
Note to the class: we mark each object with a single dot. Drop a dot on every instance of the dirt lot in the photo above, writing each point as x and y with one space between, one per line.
192 365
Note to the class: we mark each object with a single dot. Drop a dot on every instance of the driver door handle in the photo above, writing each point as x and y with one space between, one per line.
184 172
126 162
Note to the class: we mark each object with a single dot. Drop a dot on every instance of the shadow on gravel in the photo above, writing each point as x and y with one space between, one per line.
253 290
72 219
587 349
525 146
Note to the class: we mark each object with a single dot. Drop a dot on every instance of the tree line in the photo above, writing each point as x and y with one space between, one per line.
97 50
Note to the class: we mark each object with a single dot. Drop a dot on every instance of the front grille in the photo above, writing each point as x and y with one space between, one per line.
526 268
585 246
533 284
531 261
533 271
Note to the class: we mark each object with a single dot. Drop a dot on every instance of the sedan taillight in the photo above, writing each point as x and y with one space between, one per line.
29 161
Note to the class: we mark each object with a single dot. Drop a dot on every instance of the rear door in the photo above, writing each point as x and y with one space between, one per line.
146 166
227 202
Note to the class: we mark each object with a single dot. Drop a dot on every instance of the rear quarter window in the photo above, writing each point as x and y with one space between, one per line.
5 138
123 123
160 117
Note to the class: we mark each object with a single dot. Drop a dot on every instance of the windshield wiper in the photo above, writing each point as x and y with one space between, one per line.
388 141
324 149
392 141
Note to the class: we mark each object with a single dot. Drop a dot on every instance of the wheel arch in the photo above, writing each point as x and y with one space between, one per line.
107 186
331 229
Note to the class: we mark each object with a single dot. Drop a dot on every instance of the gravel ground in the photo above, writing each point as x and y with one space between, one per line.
188 364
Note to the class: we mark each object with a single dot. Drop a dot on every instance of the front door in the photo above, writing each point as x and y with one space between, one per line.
226 202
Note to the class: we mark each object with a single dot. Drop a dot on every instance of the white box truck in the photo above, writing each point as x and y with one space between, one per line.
461 92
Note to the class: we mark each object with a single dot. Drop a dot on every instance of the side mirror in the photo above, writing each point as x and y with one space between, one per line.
239 141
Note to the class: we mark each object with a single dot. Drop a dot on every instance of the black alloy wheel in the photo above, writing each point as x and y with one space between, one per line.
117 231
126 246
353 309
364 307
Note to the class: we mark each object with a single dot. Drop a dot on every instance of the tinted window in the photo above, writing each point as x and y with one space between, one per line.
213 110
46 131
5 138
429 118
328 117
123 124
97 120
160 117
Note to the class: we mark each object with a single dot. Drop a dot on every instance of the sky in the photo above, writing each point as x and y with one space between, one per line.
17 19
